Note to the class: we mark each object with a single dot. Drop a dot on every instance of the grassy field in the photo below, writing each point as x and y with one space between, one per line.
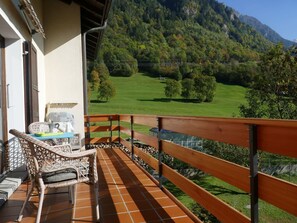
142 94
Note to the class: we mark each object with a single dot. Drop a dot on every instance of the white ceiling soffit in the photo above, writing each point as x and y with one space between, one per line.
30 17
5 29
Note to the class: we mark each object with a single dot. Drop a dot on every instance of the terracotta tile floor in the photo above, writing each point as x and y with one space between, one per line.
126 194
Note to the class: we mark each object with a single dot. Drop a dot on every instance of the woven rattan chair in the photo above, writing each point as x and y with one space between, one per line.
54 167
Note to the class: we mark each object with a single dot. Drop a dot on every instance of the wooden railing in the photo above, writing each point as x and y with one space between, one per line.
273 136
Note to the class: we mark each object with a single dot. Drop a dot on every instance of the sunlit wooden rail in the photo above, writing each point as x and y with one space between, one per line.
273 136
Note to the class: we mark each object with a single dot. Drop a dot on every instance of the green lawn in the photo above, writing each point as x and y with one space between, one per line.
142 94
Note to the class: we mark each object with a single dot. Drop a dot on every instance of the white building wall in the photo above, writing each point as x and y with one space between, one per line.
59 58
63 58
15 32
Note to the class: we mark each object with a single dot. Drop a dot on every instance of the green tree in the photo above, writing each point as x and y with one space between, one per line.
273 93
120 62
172 88
211 88
95 81
188 88
205 87
102 71
106 91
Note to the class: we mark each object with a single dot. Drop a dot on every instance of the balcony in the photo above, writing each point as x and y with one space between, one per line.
129 193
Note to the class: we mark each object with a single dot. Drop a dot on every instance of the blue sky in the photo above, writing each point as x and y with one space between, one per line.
280 15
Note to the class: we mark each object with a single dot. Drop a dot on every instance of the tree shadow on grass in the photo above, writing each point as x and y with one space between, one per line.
218 190
173 189
98 101
181 100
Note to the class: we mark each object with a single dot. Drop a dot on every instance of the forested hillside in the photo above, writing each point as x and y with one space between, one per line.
265 30
173 38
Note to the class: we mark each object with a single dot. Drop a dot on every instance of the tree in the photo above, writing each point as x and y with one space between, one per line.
106 91
211 88
95 81
188 89
273 93
120 62
172 88
205 87
102 71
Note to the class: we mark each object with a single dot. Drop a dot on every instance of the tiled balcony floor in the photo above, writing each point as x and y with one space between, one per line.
126 194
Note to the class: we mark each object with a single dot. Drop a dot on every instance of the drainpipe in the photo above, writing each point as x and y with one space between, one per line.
85 80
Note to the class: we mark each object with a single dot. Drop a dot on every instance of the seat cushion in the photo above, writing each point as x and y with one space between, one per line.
59 176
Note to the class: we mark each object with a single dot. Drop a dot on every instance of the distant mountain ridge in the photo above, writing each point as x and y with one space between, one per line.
265 30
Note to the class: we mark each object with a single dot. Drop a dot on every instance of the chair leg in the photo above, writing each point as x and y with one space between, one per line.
25 202
41 198
96 188
72 193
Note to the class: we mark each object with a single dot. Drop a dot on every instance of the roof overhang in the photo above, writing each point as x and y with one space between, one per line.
30 17
94 13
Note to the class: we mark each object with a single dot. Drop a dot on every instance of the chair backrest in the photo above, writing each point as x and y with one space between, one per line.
36 127
34 151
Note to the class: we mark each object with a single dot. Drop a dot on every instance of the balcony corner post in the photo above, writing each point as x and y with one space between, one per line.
119 128
110 129
160 152
132 137
87 133
253 173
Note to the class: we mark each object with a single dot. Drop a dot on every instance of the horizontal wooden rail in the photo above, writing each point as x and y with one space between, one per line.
101 128
229 172
220 209
96 140
149 140
125 118
233 133
278 192
278 140
126 144
151 161
125 130
141 119
100 118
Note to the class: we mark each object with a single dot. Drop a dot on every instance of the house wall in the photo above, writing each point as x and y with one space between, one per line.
15 32
59 58
63 58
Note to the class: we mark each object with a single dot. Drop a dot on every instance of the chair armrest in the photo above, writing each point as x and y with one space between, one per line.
75 155
66 148
84 162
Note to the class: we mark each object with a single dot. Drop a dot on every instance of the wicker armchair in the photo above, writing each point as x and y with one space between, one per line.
52 167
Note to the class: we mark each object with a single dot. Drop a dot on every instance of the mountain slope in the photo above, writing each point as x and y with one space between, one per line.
265 30
175 37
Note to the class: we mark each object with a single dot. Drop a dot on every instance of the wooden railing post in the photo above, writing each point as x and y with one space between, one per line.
253 173
160 152
87 133
119 128
110 129
132 137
